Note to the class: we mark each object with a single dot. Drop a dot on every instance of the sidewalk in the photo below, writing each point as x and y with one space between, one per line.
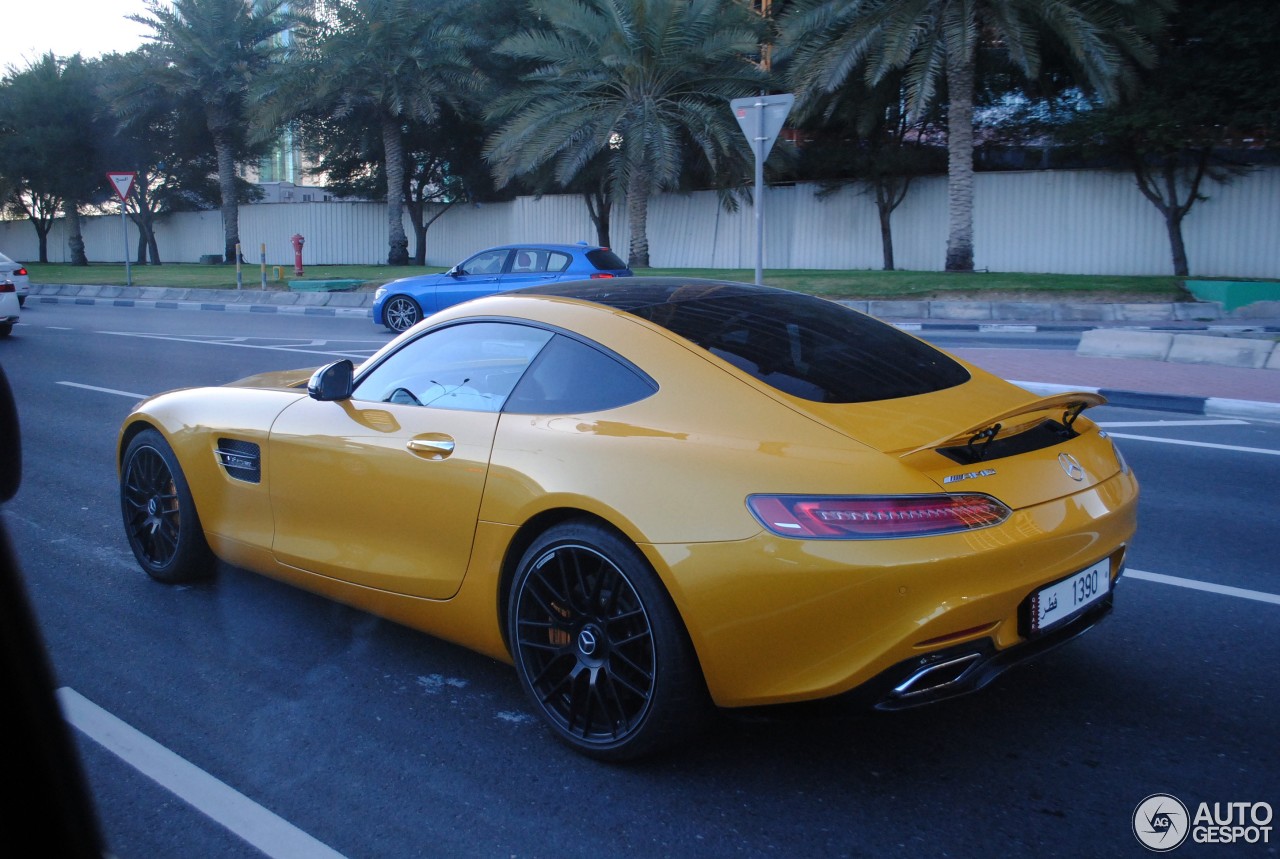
1200 389
1211 389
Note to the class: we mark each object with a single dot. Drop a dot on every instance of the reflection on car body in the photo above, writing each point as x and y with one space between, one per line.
653 496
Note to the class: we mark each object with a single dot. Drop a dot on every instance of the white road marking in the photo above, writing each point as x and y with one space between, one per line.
269 833
234 342
1231 447
105 390
1193 584
1213 423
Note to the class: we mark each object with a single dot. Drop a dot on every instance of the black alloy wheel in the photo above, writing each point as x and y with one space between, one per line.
599 646
159 513
401 313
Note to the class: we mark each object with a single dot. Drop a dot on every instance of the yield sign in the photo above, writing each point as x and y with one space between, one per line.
761 118
123 183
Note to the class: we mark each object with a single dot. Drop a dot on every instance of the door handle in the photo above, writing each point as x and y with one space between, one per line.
434 447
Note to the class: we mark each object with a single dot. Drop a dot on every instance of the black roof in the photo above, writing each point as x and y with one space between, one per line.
637 293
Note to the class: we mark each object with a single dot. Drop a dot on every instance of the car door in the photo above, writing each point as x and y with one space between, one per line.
530 266
474 277
383 489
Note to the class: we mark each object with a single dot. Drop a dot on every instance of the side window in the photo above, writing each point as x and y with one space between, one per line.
528 261
489 262
571 377
558 262
472 366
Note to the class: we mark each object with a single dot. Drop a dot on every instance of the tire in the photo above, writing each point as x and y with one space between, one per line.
160 517
6 328
22 301
401 313
599 647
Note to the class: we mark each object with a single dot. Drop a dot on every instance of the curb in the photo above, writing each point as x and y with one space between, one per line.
223 306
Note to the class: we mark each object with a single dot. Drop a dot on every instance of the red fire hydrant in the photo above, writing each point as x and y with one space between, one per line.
297 253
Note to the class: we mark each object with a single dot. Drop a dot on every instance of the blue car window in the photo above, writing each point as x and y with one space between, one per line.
527 261
488 262
557 262
472 366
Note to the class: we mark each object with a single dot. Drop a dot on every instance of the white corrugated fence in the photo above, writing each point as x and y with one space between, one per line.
1062 221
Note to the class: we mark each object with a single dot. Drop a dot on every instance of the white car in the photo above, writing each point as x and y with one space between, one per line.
9 307
16 272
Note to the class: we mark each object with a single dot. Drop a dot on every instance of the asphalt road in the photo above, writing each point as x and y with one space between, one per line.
264 715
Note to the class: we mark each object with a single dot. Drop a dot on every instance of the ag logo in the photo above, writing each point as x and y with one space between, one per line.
1161 822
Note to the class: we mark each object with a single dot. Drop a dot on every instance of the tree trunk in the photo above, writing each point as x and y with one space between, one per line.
393 152
638 211
1163 192
960 163
75 239
886 232
600 207
42 244
1173 223
226 184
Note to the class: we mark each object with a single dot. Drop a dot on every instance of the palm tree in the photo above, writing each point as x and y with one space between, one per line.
385 63
646 83
213 50
825 42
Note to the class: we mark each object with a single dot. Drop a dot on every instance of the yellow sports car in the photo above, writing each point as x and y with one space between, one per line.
655 496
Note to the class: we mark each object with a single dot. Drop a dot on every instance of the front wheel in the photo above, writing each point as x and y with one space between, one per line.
159 513
401 313
599 646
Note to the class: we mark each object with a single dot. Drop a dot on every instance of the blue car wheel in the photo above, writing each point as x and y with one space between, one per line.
401 313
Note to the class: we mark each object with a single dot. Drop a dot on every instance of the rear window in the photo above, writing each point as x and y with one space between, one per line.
605 260
808 347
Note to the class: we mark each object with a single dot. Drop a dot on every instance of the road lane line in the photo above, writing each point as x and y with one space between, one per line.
1231 447
298 349
269 833
1193 584
1174 424
105 390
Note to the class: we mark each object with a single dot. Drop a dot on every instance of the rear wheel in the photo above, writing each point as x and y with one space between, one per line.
599 646
159 514
6 328
401 313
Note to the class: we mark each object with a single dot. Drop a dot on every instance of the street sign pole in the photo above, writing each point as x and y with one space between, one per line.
761 118
123 183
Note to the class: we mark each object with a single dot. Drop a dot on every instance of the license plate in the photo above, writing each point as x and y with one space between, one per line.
1063 599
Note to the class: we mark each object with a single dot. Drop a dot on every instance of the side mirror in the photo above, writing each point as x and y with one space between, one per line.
456 271
332 382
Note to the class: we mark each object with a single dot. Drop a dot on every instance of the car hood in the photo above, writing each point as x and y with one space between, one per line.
275 379
417 281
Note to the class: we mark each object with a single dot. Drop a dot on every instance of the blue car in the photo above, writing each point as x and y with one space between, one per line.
402 303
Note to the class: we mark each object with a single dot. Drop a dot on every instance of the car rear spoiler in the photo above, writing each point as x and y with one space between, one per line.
1072 403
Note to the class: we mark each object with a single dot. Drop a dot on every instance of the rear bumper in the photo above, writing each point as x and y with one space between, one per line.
967 667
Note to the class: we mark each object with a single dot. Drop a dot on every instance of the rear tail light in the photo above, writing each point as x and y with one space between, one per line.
21 272
600 274
875 517
8 287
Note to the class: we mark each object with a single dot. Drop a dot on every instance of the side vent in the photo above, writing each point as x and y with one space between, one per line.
241 459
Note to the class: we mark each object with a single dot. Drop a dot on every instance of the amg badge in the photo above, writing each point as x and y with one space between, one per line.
956 478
